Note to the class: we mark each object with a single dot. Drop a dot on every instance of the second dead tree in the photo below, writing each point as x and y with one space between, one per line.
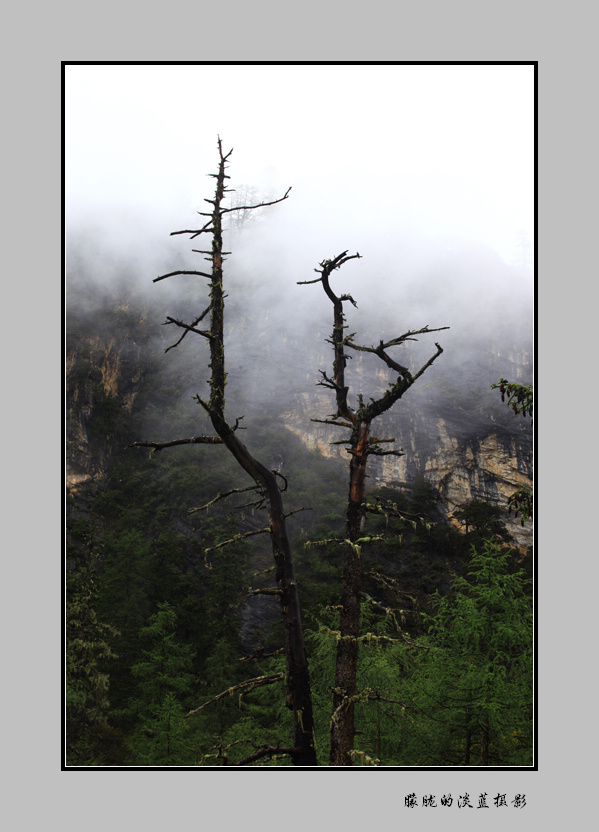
360 445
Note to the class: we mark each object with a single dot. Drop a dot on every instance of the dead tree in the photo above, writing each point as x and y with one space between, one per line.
298 698
360 446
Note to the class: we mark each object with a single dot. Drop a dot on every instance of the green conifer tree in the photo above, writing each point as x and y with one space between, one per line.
475 692
162 737
86 684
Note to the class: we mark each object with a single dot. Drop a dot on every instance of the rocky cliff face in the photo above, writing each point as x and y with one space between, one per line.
104 370
460 438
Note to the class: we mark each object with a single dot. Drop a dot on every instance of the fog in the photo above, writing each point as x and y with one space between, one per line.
426 170
370 151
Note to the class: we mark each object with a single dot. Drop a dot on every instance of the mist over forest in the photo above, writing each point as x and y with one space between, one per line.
273 324
426 171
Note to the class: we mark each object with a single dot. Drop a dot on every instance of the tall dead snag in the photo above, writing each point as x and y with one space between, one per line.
297 678
360 445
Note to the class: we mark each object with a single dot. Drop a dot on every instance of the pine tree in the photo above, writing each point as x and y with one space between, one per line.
476 680
164 677
86 684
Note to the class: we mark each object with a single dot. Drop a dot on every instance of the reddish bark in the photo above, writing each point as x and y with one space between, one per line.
360 446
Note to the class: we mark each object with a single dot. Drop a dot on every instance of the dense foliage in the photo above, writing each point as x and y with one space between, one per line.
156 627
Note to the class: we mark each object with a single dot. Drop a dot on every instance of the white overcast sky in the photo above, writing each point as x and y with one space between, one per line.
431 150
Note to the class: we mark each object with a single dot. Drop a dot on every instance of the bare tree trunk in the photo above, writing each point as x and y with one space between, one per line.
360 447
342 729
298 697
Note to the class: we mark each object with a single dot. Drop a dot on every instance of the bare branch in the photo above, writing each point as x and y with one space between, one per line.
271 751
297 511
194 440
263 571
350 299
247 686
257 504
429 362
329 266
378 698
259 205
306 282
359 696
186 327
383 346
265 591
278 474
408 336
208 228
386 507
380 452
236 538
181 271
334 422
222 496
400 339
260 653
328 382
223 158
237 426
